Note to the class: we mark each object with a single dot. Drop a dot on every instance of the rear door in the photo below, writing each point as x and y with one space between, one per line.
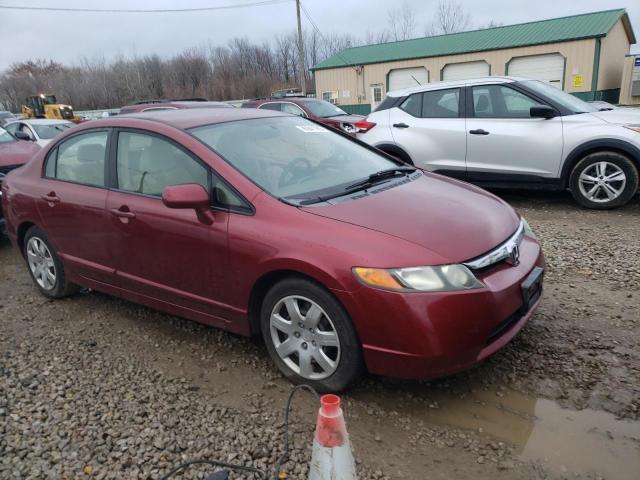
504 143
162 253
430 127
71 203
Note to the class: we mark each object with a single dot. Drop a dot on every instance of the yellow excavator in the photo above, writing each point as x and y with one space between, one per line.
47 106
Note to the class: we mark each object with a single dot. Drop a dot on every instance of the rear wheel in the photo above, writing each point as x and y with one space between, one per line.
309 336
45 266
604 180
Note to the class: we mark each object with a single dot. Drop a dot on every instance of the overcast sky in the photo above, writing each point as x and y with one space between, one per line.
65 37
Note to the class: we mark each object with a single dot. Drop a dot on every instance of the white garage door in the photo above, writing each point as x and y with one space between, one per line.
466 70
549 68
407 77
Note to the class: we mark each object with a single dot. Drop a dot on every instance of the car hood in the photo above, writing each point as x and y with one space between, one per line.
619 116
452 219
345 118
17 153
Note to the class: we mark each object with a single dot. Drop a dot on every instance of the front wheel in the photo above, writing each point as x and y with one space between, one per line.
603 180
309 336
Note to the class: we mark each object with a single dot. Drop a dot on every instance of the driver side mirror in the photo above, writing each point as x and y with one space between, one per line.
542 111
22 136
189 196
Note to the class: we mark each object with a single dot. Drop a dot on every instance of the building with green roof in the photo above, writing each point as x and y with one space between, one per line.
582 54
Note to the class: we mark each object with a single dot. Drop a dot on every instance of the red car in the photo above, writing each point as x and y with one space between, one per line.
342 258
13 154
319 110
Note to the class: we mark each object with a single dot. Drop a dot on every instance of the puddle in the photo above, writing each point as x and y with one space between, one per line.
585 441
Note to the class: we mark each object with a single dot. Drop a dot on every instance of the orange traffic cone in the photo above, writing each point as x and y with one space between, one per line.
331 458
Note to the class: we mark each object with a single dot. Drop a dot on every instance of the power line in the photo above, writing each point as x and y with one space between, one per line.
172 10
315 27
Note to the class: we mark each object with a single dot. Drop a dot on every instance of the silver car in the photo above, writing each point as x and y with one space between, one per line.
512 132
39 130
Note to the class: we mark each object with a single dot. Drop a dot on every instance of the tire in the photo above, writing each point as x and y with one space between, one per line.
331 367
591 173
38 250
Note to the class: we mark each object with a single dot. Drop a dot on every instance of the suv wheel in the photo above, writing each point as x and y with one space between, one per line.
603 180
45 266
309 336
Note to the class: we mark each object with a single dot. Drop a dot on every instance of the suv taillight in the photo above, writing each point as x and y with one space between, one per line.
363 126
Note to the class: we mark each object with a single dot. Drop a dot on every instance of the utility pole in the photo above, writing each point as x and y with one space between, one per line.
303 80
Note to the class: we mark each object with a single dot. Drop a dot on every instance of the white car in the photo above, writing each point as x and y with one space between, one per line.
512 132
39 130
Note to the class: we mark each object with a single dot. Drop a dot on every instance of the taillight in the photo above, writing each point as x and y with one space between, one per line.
364 126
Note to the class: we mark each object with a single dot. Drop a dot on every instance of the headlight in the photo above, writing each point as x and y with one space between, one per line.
442 278
635 127
527 229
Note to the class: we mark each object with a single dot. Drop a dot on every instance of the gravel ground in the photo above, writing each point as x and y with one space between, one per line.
96 387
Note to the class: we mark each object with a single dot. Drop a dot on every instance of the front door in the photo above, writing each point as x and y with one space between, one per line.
164 254
71 203
504 143
377 94
429 127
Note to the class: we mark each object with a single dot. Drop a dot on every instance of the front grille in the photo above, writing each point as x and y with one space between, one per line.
508 250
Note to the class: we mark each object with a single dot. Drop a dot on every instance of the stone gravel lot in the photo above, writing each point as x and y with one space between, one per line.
96 387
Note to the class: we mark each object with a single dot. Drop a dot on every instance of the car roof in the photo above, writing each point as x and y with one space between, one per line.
454 83
193 117
40 121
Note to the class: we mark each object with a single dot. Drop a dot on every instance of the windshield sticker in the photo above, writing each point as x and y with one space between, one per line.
311 128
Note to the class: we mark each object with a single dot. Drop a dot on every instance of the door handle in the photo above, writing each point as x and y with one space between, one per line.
401 125
478 131
118 212
51 197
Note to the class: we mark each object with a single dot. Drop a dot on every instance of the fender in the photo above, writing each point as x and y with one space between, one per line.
581 151
393 149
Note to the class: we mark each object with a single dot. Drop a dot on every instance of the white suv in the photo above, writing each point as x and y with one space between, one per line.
515 133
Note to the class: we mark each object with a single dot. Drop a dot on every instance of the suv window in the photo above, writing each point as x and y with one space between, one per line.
498 101
80 159
413 105
147 164
441 103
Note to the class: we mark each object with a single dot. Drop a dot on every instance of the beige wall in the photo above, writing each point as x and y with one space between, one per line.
625 87
579 55
612 51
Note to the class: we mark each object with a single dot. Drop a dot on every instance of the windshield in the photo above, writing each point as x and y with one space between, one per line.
323 109
5 137
47 132
291 157
567 100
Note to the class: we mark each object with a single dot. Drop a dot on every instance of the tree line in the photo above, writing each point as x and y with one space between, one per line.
239 70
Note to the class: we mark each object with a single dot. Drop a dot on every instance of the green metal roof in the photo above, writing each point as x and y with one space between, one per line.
575 27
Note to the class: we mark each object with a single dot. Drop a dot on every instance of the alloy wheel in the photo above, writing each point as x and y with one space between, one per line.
41 263
602 182
304 337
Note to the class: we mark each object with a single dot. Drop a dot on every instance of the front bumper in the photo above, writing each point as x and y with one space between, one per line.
427 335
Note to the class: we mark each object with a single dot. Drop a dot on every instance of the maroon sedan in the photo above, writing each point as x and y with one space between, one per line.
318 110
343 259
13 154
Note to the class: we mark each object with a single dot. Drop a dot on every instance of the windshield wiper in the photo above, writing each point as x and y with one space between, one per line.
370 181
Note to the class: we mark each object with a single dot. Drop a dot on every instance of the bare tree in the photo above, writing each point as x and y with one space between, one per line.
402 24
450 17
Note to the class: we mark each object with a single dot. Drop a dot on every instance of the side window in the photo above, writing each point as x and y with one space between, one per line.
271 106
13 128
147 164
498 101
225 197
80 159
441 103
24 128
413 105
293 109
